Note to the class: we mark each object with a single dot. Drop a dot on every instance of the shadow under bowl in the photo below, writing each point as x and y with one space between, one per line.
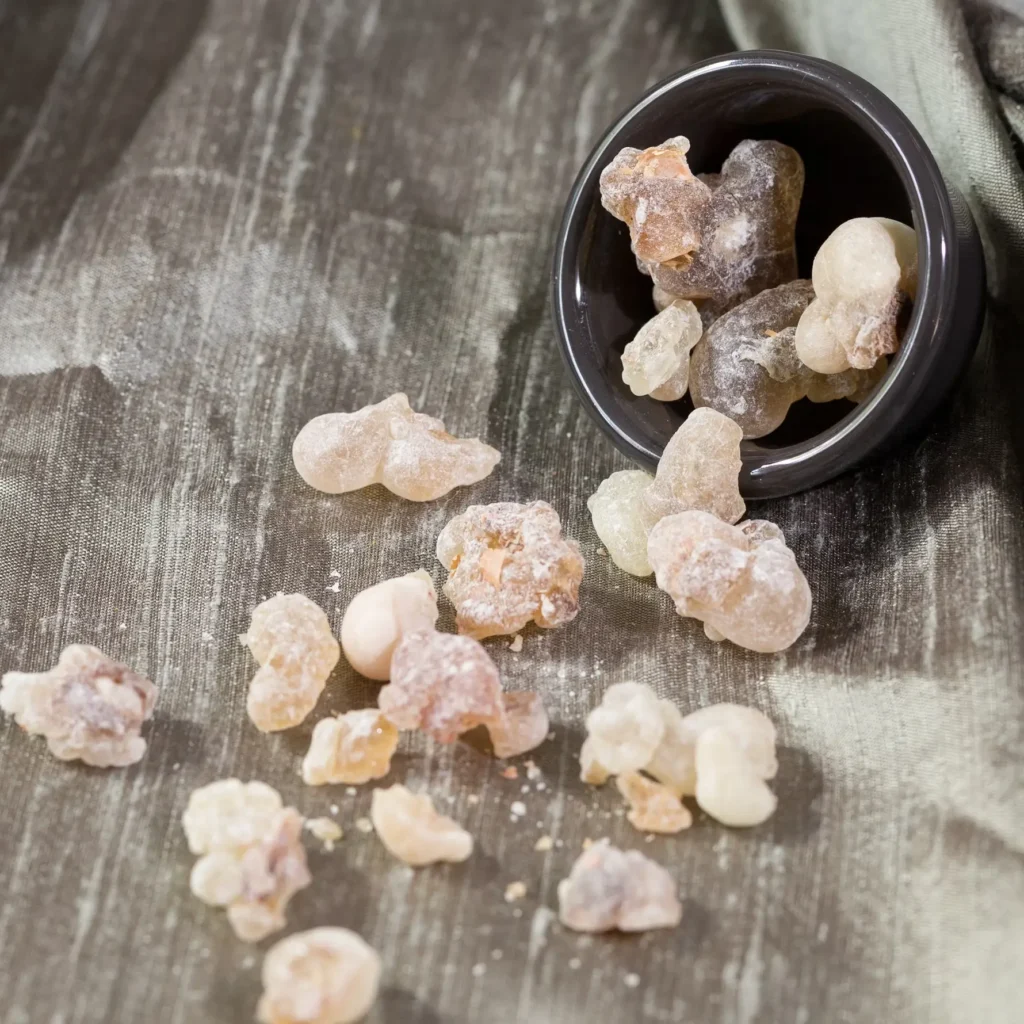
863 158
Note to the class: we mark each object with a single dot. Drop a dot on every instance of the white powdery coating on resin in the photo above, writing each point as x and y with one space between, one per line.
609 889
413 831
89 707
742 580
864 275
699 469
657 361
291 638
410 453
621 521
321 976
378 617
508 565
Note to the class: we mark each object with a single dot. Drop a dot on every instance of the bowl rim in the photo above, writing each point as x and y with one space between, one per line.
867 427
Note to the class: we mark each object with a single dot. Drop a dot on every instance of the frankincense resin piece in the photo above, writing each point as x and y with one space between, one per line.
699 469
653 806
621 520
865 276
321 976
89 707
742 581
442 684
410 453
378 617
252 859
747 232
730 786
657 361
509 565
291 639
656 194
412 830
522 726
609 889
352 748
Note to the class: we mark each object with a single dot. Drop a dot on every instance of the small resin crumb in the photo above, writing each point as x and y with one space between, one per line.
472 799
410 453
609 889
621 520
514 891
413 831
89 707
631 980
699 469
327 831
865 277
543 844
351 748
378 617
442 684
657 361
532 771
511 772
509 565
321 976
575 963
729 786
518 808
478 970
653 806
742 580
251 855
364 825
522 726
290 637
517 644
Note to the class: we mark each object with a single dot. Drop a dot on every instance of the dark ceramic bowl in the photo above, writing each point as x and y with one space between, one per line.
863 158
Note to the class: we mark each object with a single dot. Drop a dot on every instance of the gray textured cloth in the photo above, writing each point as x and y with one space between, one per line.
219 218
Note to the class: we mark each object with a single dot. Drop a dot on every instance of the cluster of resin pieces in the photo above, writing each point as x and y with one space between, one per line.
291 638
251 858
509 565
321 976
408 452
89 707
610 889
721 754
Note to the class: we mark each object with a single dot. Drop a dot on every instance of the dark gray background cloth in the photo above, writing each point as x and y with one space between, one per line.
220 218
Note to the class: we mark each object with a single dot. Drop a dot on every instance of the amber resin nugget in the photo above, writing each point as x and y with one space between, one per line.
351 748
322 976
741 581
252 859
410 453
413 831
291 639
509 565
89 707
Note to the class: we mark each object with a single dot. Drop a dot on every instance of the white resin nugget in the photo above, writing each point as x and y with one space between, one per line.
408 452
657 361
621 520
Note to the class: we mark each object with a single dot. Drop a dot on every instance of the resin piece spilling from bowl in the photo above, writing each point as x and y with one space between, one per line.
657 361
746 234
408 452
621 521
663 204
413 831
352 748
89 707
378 617
653 806
699 469
730 784
291 639
252 859
609 889
865 277
740 580
509 565
321 976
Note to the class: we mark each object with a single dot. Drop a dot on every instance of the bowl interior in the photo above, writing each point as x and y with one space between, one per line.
848 174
